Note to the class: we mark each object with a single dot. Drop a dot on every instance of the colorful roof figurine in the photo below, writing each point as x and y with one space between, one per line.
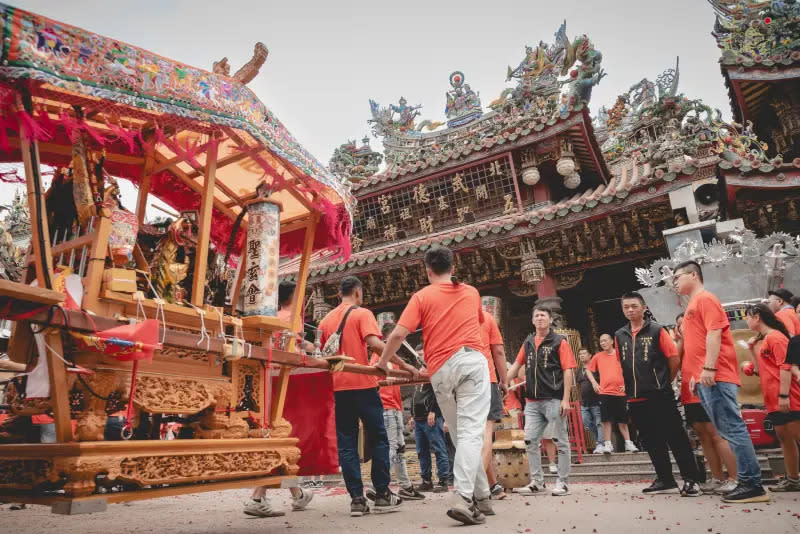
139 105
553 84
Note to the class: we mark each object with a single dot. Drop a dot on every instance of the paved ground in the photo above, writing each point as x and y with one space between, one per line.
591 508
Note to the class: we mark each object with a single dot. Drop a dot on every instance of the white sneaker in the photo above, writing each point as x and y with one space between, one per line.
600 449
609 448
300 503
262 508
726 487
560 489
553 468
630 447
531 489
711 486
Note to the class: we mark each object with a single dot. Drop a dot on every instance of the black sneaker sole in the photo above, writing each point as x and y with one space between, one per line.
465 518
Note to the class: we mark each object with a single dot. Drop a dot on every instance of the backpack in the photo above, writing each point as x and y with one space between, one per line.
333 344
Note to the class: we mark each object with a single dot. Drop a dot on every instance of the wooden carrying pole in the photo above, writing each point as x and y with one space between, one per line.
279 397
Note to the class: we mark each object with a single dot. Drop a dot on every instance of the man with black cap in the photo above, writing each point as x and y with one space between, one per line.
779 303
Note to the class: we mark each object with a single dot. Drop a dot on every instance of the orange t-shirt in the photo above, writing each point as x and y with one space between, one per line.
703 314
789 318
611 381
490 335
450 315
391 398
360 325
564 353
771 360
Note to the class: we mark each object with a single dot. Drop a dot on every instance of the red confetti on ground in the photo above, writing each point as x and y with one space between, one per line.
424 526
746 510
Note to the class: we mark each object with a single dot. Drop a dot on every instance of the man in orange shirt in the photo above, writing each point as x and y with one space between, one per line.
613 408
650 362
450 315
549 365
779 303
356 398
709 362
495 353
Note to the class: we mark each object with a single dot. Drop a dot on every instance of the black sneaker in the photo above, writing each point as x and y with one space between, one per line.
658 487
441 487
359 507
498 492
410 494
690 489
370 493
786 485
426 485
746 494
389 502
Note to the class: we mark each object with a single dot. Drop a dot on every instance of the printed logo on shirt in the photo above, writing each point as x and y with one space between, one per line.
646 341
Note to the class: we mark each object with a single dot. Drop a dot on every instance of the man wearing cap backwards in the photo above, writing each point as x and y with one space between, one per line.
779 303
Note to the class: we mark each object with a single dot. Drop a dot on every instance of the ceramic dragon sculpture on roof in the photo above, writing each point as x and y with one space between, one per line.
249 70
355 163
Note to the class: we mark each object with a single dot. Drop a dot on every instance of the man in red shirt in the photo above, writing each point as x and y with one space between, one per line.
495 353
709 362
779 303
549 365
613 408
450 315
356 398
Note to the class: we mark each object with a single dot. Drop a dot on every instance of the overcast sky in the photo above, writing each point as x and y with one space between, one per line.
328 58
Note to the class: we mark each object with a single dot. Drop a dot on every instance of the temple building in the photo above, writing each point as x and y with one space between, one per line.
544 203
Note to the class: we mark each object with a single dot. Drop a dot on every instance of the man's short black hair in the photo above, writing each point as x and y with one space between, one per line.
679 317
542 307
439 260
582 349
795 302
386 329
633 295
348 285
286 292
691 267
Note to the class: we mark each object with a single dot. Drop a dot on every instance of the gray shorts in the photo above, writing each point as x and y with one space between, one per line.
496 405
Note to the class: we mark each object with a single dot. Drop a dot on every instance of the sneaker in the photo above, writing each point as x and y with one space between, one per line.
359 507
532 489
465 511
553 468
426 485
300 503
370 493
441 487
387 503
410 494
498 492
560 490
608 448
630 447
262 508
727 487
600 449
690 489
658 487
786 485
712 486
746 494
484 505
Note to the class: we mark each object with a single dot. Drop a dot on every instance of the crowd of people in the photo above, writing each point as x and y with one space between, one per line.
629 379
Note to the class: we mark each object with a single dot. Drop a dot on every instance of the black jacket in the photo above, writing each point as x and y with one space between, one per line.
424 402
644 366
543 372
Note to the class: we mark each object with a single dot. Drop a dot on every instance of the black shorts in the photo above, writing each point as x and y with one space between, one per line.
695 413
613 409
495 405
782 418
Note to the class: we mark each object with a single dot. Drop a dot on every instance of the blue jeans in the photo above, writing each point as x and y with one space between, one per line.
723 409
363 404
430 438
591 420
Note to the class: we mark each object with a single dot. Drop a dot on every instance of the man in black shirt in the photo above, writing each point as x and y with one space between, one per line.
590 401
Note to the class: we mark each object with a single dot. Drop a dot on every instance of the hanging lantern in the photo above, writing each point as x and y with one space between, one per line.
572 181
532 268
262 250
531 176
566 163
